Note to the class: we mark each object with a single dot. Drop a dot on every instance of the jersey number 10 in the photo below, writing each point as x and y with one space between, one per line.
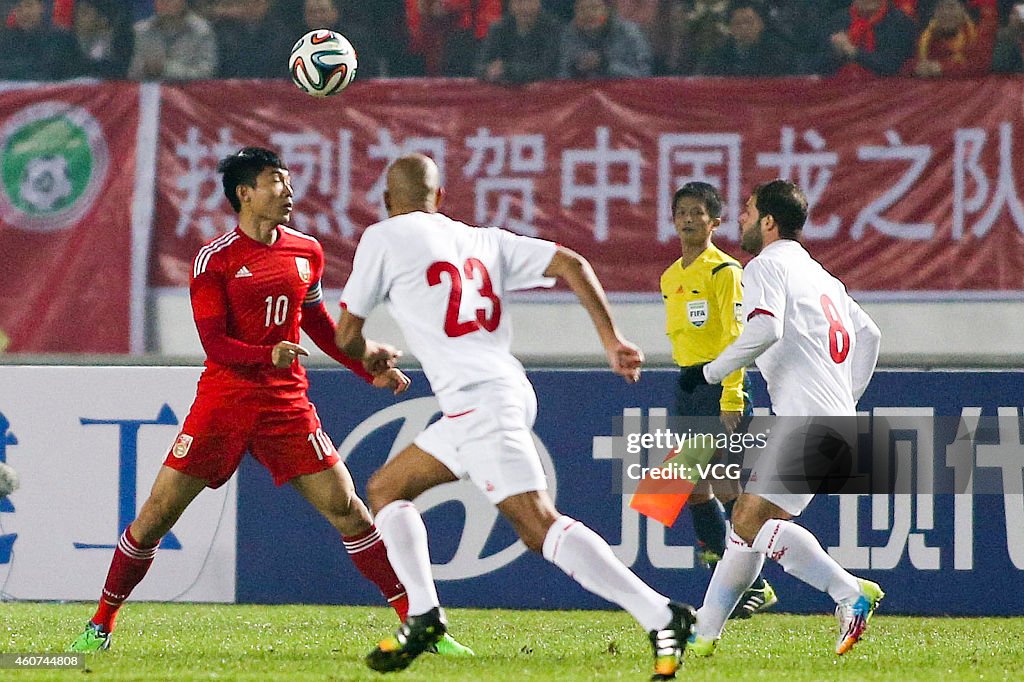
452 326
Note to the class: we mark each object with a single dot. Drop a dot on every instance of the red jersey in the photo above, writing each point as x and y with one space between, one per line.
248 296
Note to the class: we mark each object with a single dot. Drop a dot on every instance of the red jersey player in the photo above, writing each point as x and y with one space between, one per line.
252 289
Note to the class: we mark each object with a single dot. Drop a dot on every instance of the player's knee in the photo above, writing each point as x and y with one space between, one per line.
380 492
533 529
154 520
697 498
746 524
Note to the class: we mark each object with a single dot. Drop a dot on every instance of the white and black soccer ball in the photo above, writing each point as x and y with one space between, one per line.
9 481
322 63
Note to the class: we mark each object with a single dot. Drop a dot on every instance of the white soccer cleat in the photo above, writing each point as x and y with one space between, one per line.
854 614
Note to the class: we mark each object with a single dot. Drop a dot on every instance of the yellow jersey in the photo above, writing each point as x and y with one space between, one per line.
703 314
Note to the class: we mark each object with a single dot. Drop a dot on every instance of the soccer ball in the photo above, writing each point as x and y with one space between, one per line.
8 480
322 63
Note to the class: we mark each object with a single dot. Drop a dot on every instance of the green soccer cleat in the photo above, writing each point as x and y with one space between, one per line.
92 639
701 646
854 614
708 559
448 646
416 635
670 641
755 601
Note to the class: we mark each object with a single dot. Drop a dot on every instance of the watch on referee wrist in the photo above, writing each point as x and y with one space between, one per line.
691 377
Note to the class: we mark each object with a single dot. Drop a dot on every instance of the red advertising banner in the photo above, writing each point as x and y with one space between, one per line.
67 171
914 186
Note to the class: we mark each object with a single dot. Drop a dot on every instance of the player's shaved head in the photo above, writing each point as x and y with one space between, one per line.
413 184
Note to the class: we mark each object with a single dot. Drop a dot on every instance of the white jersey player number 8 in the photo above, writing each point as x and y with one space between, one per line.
838 337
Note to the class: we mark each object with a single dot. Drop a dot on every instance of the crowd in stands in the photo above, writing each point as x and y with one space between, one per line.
514 41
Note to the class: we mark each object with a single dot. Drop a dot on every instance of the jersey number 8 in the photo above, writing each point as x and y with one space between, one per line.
838 337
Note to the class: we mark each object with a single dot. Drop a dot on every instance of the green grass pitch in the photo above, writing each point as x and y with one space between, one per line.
228 642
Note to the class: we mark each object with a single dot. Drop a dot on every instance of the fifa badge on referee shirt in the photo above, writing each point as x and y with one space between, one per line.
302 265
181 446
697 311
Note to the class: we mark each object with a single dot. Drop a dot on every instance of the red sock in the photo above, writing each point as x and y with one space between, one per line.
127 569
371 558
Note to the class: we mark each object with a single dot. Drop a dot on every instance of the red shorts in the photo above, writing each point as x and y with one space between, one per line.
285 436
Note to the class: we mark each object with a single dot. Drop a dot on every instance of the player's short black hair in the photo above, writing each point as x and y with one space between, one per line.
702 192
784 201
242 168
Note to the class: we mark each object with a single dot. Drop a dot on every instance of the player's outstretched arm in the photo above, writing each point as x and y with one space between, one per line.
378 358
624 358
319 326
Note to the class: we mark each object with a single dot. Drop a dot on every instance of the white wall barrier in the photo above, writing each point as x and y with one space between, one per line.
87 443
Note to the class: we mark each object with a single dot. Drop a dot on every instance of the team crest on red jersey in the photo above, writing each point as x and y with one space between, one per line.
181 446
305 272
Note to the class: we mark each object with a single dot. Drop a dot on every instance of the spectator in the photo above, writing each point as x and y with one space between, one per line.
796 24
173 44
31 50
598 44
521 47
871 37
559 9
643 13
251 42
691 30
325 14
390 28
104 39
443 34
1009 50
953 44
748 51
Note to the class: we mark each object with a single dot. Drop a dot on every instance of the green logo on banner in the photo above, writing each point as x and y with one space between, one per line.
54 162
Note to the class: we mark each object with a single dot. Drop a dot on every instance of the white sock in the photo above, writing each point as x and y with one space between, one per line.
401 527
734 574
802 556
588 560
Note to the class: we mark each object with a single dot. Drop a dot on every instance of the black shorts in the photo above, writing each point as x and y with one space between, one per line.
704 406
706 400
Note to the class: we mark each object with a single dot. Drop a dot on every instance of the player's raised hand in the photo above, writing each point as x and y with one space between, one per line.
625 359
285 353
378 358
395 379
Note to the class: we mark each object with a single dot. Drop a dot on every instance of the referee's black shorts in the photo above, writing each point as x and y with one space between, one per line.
706 400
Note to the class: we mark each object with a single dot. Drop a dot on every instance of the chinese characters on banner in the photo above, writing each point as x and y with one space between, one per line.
901 199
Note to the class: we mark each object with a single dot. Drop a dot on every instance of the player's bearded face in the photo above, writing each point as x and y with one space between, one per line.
751 237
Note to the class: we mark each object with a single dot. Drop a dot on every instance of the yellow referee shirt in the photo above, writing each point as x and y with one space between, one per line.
703 311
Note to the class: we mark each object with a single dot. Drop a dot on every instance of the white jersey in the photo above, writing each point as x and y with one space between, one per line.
445 284
815 367
810 370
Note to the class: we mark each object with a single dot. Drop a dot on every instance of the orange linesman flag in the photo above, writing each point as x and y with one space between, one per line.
663 492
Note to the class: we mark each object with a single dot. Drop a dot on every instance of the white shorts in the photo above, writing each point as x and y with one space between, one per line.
784 471
486 435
